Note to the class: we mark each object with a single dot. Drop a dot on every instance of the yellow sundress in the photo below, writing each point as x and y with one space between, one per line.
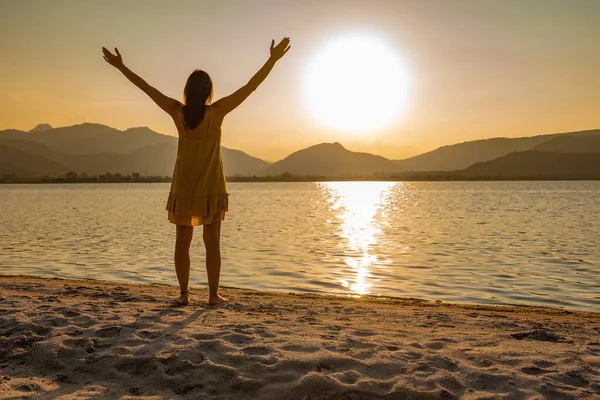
198 194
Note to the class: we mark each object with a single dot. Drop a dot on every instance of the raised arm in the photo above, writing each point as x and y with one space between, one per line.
168 104
229 103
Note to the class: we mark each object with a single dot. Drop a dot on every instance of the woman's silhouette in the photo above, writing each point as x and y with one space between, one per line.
198 193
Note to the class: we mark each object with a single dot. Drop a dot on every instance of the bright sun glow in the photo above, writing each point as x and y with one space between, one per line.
357 83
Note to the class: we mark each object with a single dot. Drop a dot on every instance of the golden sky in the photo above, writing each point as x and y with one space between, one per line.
478 68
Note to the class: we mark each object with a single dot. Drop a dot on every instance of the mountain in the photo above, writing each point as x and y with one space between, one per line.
460 156
153 160
571 144
97 149
331 159
34 148
41 127
117 142
15 161
537 165
58 138
12 134
237 162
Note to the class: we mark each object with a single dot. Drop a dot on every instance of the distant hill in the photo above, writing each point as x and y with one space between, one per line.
462 155
238 163
12 134
537 165
41 127
96 149
571 144
117 142
34 148
331 159
59 138
15 161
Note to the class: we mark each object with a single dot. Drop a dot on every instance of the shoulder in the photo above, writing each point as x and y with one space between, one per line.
177 106
176 110
216 110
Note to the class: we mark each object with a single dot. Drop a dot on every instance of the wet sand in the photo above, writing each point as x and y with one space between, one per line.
75 339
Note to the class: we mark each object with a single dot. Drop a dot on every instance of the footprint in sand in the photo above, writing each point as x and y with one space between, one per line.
242 331
237 338
84 321
54 322
359 344
540 335
575 377
193 356
140 365
110 331
146 334
534 371
364 333
203 336
412 355
452 384
329 337
257 350
346 377
544 364
435 345
70 313
298 348
81 343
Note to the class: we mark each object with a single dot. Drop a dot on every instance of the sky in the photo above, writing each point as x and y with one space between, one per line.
477 68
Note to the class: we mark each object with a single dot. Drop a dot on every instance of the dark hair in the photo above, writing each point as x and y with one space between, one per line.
197 94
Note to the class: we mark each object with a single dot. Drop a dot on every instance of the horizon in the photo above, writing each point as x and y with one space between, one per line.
454 57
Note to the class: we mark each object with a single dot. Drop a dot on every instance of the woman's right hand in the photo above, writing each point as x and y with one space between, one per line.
279 51
114 60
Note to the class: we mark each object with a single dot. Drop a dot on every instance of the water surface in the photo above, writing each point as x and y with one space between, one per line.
533 243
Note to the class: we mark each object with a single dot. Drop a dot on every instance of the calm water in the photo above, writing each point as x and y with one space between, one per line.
480 242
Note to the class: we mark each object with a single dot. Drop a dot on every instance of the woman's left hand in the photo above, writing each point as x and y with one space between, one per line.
279 51
114 60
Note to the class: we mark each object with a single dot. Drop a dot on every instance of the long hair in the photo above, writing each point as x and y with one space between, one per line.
197 94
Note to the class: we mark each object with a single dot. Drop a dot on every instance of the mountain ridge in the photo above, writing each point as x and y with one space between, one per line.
538 165
97 149
331 159
461 155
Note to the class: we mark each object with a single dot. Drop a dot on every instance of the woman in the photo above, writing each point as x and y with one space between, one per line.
198 193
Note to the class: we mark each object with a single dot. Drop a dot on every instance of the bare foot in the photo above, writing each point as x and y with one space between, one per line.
184 299
218 299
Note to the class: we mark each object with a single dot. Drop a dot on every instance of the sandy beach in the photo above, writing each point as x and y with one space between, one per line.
71 339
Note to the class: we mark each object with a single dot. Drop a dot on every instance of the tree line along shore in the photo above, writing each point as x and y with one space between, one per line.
73 177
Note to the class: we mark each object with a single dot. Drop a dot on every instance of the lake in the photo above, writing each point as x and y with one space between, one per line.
533 243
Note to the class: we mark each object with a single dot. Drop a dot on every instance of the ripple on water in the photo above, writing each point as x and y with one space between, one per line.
482 242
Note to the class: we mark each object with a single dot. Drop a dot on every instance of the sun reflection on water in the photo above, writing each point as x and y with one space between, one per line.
361 208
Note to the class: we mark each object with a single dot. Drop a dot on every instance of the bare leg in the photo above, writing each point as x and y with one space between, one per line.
182 261
212 242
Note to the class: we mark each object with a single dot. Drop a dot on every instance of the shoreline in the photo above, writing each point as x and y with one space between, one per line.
507 307
318 179
64 338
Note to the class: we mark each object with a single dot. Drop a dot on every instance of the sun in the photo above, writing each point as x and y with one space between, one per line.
356 83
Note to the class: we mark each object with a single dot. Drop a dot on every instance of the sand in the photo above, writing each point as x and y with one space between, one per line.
71 339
